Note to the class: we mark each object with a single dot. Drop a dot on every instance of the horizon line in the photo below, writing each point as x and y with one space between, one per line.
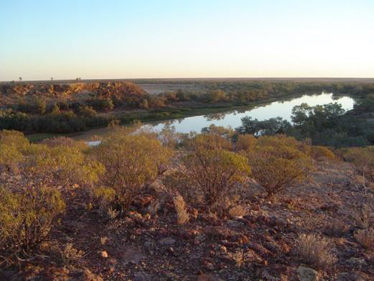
188 78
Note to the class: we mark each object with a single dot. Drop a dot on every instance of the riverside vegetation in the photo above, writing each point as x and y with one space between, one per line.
220 204
61 108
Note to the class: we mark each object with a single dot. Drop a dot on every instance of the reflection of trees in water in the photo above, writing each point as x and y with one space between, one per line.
216 116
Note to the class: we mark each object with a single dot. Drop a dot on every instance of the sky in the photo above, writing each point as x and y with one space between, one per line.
94 39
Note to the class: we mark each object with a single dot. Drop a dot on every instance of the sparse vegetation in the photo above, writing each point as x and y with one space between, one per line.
315 251
365 237
180 207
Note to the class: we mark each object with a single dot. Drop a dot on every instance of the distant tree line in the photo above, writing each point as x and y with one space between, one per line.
328 125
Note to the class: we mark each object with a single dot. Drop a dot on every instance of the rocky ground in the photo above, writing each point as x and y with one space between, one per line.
148 244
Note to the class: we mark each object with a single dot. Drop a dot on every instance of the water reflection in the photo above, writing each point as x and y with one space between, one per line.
232 119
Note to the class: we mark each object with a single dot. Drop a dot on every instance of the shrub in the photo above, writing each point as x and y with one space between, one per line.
211 174
63 164
26 218
224 132
362 159
131 162
64 141
365 237
315 250
86 111
208 141
105 197
278 162
321 153
14 138
12 145
245 142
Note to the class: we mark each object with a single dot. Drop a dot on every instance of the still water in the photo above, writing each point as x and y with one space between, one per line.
233 118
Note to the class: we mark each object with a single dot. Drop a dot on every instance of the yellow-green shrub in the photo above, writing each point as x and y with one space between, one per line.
208 141
14 138
362 158
245 142
320 153
131 161
12 146
26 218
211 174
65 164
278 162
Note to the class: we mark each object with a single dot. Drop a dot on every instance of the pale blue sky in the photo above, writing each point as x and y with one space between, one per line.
185 38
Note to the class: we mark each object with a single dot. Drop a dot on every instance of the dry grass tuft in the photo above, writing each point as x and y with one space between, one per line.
336 228
365 237
237 211
180 207
315 250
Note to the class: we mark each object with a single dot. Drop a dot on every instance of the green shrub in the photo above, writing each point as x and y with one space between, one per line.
210 174
208 141
12 146
278 162
320 153
363 160
64 164
26 218
245 142
131 161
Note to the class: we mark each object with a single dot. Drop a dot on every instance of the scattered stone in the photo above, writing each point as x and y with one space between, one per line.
307 274
208 277
209 266
132 255
168 241
104 254
223 249
349 276
232 223
141 276
356 262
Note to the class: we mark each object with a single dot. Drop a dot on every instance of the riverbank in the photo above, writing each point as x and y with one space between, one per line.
180 111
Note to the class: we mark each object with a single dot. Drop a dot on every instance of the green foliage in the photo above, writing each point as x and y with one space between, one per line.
87 111
245 142
65 164
321 153
14 138
209 173
131 161
209 141
363 159
278 162
103 104
12 146
227 133
271 126
27 216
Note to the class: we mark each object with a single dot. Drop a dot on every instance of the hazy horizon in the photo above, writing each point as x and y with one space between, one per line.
186 39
